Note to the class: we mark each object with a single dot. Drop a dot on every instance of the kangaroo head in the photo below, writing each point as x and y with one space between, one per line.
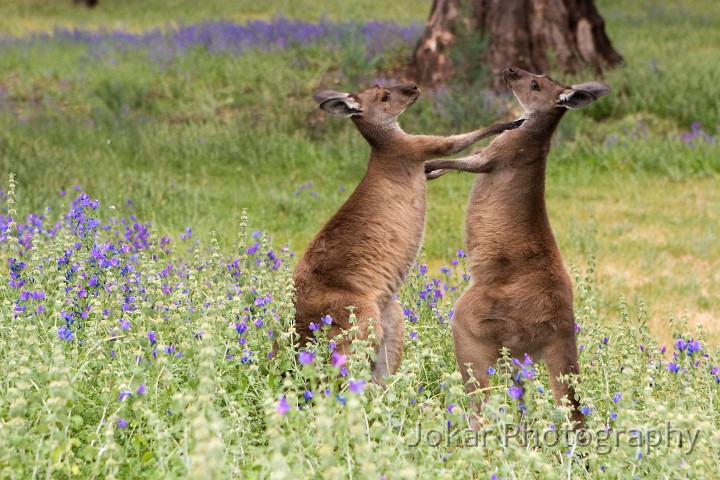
377 106
541 94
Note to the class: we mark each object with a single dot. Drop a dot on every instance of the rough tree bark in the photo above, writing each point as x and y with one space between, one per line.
531 34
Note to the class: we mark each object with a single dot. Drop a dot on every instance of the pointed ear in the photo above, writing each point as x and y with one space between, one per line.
341 107
580 96
321 95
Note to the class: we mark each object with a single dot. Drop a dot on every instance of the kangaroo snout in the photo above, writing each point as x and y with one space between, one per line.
412 88
511 74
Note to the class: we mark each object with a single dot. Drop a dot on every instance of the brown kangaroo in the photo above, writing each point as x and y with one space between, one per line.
361 257
520 295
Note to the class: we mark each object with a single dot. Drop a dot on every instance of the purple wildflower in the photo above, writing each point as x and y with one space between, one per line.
305 357
283 407
693 346
357 387
515 392
338 360
65 333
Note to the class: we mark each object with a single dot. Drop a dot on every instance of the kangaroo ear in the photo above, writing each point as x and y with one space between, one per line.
580 96
321 95
341 107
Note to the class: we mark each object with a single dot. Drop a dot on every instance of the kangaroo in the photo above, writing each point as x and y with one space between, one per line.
520 295
361 257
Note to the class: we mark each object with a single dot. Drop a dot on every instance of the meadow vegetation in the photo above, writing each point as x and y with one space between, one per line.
167 170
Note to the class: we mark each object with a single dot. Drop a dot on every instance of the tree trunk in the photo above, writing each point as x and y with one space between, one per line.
534 35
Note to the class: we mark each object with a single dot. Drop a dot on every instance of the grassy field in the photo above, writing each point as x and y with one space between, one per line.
184 120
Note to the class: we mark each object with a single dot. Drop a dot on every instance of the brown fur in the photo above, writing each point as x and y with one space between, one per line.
361 257
520 295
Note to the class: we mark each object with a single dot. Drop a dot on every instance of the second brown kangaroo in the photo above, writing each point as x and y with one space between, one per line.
520 295
361 257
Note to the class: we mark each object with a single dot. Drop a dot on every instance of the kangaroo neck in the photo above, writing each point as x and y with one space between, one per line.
380 137
538 128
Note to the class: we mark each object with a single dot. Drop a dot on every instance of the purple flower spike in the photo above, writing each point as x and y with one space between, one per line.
283 407
515 392
693 346
306 358
338 360
65 333
357 387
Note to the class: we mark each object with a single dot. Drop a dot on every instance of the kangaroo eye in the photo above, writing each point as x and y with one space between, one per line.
534 86
386 96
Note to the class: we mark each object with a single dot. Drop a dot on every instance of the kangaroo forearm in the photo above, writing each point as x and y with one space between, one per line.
464 141
444 146
436 173
478 163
